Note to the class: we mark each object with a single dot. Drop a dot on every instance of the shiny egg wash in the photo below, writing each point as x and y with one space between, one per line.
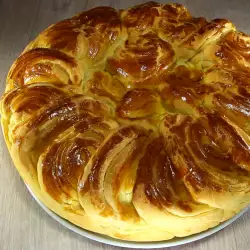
134 123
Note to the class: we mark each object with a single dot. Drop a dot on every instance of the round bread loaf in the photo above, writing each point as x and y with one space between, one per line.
134 123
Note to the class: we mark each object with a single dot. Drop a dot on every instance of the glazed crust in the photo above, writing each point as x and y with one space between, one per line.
134 123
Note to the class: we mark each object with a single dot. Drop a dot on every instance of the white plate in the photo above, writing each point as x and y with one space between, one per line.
146 245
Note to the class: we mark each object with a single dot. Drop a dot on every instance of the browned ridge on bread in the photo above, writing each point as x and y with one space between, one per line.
134 123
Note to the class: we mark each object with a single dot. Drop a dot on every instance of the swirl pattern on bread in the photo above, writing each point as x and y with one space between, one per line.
134 123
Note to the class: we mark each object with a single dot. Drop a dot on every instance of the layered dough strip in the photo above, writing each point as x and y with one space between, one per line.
134 123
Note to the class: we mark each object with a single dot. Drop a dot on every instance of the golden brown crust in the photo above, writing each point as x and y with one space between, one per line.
134 123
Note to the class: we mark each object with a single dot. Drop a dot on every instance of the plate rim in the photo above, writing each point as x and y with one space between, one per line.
130 244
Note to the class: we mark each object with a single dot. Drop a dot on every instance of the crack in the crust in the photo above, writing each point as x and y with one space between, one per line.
208 41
